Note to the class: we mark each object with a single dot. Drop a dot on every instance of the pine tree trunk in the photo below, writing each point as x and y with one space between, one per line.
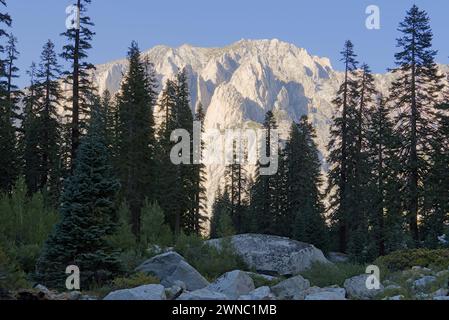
75 92
414 155
343 230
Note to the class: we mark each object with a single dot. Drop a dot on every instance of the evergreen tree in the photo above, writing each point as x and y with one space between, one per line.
75 52
169 185
183 118
281 224
263 188
30 135
87 217
237 184
199 176
9 98
135 158
358 181
221 207
436 205
109 108
181 194
48 92
414 95
341 147
385 216
305 210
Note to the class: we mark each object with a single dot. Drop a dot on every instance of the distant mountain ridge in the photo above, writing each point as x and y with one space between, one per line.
239 83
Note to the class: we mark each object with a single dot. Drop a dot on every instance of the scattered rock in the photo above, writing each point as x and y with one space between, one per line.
441 298
73 295
424 283
148 292
42 289
441 293
356 288
174 292
233 284
291 289
260 294
202 294
325 295
395 298
170 267
421 269
442 273
329 293
337 257
274 255
5 295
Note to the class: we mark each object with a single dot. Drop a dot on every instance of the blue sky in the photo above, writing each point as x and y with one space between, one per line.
320 26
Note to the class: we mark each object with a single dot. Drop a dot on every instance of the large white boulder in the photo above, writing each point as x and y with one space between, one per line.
233 284
148 292
274 255
291 289
356 288
171 268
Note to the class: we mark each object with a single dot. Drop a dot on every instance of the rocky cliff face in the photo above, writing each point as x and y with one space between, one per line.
238 84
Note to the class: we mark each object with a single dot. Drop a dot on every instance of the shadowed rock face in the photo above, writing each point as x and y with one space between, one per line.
274 255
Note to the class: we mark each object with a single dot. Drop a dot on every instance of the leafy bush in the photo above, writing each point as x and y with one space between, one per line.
209 261
403 260
25 220
324 275
25 223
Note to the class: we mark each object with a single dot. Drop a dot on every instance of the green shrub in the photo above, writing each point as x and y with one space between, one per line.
324 275
131 259
11 277
133 281
403 260
25 220
123 239
260 281
154 230
26 256
209 261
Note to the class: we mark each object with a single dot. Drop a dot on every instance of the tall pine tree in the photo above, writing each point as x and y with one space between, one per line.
49 96
304 200
29 144
136 143
385 216
415 94
341 147
9 98
78 78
